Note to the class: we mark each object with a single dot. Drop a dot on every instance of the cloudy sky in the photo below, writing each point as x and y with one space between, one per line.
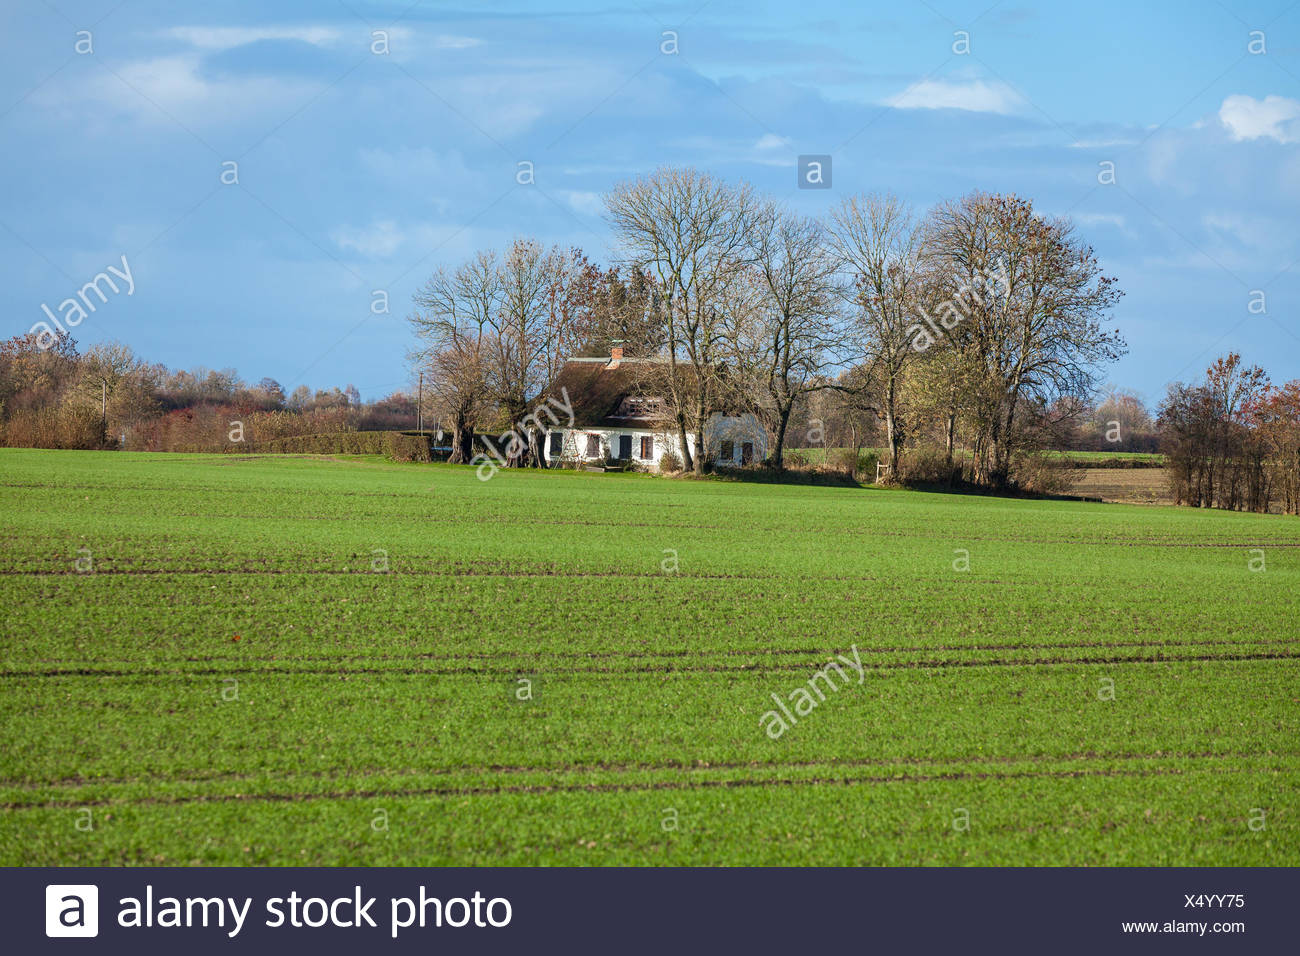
375 141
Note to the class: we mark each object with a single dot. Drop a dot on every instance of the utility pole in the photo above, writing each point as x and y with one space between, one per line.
419 407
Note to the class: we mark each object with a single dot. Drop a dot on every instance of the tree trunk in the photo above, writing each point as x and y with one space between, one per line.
462 444
701 449
778 455
688 462
462 440
515 449
894 431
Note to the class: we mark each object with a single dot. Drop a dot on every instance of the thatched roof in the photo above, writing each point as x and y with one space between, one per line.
605 394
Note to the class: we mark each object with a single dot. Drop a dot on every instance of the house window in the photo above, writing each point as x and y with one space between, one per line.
728 451
557 444
647 447
593 445
624 447
747 453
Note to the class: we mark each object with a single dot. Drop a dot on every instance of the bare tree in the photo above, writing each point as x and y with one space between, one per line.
880 245
453 321
1026 299
792 337
533 333
495 333
687 229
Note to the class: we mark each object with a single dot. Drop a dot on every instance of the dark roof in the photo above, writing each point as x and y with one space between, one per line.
598 391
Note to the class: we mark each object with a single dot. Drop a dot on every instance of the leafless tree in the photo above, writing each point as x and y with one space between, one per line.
495 333
454 324
533 333
879 244
1028 299
788 336
687 229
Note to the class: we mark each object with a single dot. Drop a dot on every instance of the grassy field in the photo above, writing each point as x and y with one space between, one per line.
1098 459
227 660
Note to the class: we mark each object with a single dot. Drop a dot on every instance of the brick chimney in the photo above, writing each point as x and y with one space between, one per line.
615 356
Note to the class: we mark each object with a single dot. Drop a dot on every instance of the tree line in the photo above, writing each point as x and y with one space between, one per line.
1233 441
972 332
52 395
960 341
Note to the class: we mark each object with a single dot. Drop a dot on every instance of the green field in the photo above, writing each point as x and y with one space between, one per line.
1105 684
1111 459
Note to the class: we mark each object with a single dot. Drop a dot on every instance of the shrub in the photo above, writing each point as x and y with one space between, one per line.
400 447
842 459
66 426
670 463
1043 475
930 466
853 463
796 459
394 445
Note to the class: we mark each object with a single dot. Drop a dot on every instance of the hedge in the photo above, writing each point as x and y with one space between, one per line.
395 445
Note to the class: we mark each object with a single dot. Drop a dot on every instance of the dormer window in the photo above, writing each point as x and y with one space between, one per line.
639 407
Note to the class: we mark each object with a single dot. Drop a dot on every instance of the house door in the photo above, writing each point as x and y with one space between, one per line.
624 447
747 453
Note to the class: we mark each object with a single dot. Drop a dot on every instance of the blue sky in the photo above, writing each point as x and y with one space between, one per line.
361 171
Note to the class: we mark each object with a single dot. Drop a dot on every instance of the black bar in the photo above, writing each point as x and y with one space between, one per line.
678 910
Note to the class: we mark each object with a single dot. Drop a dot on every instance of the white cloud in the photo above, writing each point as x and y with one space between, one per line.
1100 219
167 88
446 42
772 141
383 238
1274 117
224 38
585 203
977 96
415 165
376 241
1251 230
434 178
1101 143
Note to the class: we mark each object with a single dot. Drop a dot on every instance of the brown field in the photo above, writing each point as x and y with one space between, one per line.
1132 486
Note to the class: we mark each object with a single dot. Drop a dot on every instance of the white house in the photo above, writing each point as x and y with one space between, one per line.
617 417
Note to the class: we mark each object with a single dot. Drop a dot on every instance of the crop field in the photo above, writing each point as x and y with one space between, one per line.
1135 486
1082 459
224 660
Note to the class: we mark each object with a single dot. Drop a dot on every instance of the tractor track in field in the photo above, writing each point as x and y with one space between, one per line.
815 654
379 576
631 787
644 669
878 582
607 524
875 533
617 767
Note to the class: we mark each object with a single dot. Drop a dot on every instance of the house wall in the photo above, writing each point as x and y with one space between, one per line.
737 429
609 439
